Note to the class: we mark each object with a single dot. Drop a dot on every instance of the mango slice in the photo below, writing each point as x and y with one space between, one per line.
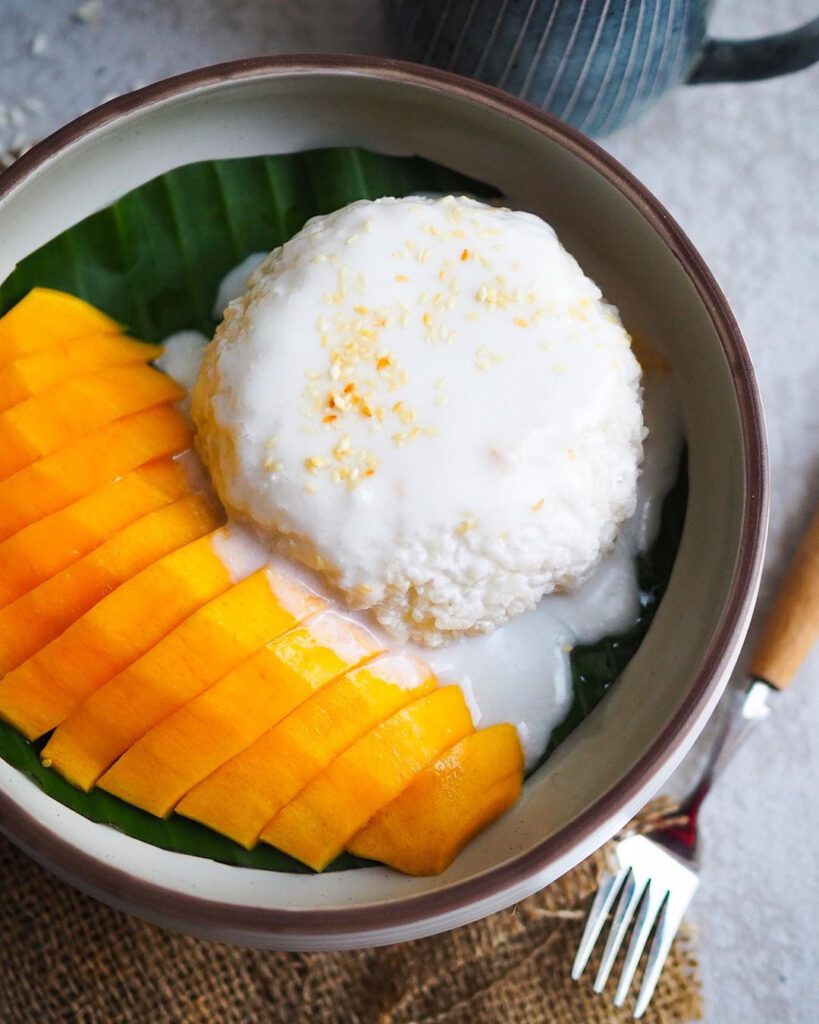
44 690
424 829
39 616
215 639
50 421
41 550
316 825
46 317
32 374
73 472
185 747
272 770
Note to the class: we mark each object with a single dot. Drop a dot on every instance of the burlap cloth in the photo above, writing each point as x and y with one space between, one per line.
65 957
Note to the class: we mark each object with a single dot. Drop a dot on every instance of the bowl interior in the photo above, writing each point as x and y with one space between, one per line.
638 271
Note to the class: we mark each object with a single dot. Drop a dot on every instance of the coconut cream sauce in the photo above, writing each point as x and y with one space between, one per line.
520 673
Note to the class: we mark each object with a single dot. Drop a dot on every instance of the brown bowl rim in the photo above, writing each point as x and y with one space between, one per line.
129 890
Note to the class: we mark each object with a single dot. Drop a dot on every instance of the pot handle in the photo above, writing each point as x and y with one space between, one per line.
746 60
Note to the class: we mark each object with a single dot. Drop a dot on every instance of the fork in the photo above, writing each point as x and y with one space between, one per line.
655 873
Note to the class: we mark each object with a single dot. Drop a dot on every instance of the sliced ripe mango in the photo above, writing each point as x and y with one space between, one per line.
277 766
46 317
44 690
424 829
39 616
50 421
41 550
37 372
183 748
69 474
216 638
317 825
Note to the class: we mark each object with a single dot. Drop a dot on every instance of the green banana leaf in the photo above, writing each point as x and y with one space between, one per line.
153 261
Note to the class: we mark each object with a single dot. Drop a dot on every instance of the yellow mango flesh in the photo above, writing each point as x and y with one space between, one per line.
46 317
44 690
216 638
41 550
39 616
316 825
32 374
59 479
424 829
194 741
282 760
50 421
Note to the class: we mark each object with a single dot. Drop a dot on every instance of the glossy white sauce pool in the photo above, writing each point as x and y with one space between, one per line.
234 282
181 360
520 673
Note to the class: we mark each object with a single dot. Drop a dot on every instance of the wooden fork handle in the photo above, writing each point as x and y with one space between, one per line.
792 627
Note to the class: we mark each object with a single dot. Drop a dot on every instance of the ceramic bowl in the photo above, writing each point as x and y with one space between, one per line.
623 752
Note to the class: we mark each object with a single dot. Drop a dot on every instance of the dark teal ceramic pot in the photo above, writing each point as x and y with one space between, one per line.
594 63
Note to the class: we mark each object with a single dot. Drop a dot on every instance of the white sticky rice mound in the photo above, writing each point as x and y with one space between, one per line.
448 516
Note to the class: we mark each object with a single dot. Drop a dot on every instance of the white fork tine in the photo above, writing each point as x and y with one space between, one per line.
599 911
657 872
632 891
667 927
650 908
